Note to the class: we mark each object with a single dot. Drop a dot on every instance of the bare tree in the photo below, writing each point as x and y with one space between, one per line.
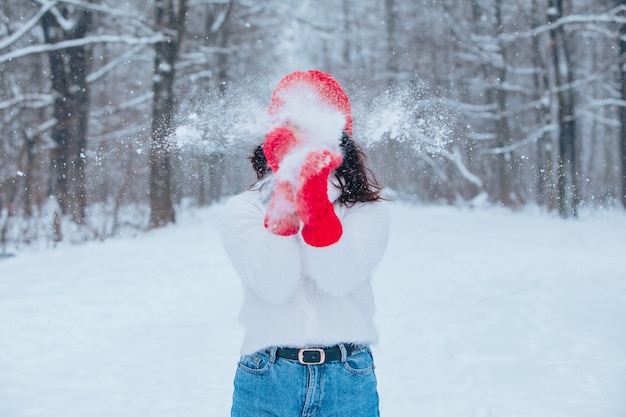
622 107
567 190
218 38
545 190
170 18
68 72
503 131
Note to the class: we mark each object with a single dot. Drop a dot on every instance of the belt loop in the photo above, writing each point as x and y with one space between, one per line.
344 352
273 350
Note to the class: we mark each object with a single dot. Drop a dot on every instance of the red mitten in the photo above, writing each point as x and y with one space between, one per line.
281 217
277 144
321 225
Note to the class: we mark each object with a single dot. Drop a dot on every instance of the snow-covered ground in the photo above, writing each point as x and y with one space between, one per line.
481 313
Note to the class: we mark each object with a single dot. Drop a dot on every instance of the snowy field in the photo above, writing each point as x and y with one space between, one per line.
481 313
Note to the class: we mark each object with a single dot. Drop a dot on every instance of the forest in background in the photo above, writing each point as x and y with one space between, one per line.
115 113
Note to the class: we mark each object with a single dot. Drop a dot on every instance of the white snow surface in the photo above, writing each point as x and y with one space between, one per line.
480 313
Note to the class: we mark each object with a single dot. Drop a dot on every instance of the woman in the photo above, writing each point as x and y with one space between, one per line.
305 241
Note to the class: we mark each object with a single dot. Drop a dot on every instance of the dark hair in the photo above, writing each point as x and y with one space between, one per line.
356 180
259 162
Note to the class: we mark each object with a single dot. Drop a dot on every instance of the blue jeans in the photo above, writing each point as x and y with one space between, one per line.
269 386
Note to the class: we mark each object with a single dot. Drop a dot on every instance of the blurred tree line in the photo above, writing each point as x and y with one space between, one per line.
115 112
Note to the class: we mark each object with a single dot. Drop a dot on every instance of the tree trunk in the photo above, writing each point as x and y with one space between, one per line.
622 111
503 133
393 63
217 16
544 181
170 18
393 149
29 165
68 72
566 160
212 168
347 45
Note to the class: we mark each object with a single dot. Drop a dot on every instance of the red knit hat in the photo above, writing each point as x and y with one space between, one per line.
326 87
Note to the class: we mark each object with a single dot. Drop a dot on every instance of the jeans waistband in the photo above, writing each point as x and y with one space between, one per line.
318 355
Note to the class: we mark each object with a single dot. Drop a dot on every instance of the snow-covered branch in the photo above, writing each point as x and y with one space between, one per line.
89 40
134 102
222 16
532 138
133 17
608 102
611 17
199 3
33 100
32 132
114 63
202 56
66 25
50 123
32 22
456 158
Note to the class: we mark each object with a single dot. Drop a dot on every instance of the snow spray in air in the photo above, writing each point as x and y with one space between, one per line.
239 119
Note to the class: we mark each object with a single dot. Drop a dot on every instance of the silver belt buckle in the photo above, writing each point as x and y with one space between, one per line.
321 352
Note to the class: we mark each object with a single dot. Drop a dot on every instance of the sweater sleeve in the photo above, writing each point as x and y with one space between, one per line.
340 268
268 264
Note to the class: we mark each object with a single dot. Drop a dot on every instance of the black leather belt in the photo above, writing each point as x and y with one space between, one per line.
315 356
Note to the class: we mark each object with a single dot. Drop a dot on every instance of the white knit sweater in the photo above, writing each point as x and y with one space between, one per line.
297 295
